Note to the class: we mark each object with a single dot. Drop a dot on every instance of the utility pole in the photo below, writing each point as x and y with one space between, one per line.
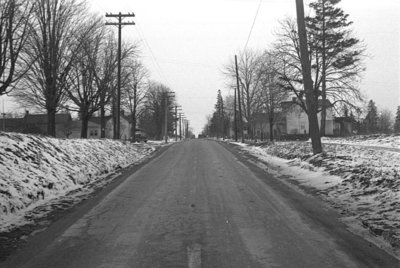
117 99
240 106
187 129
184 127
180 126
166 115
307 81
177 107
176 123
235 117
166 119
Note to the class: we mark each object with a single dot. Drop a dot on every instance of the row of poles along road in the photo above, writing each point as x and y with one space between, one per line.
117 99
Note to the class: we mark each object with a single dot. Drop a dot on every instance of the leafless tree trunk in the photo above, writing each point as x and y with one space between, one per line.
272 94
14 19
134 92
55 39
82 90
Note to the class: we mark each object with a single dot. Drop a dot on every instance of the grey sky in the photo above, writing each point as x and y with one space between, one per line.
185 43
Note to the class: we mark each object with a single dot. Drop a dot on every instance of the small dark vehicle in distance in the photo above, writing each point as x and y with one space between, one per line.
140 137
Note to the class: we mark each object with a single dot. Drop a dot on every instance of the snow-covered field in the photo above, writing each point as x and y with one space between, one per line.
40 173
362 181
378 140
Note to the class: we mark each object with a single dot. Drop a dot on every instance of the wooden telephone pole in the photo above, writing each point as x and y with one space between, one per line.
307 81
240 105
117 99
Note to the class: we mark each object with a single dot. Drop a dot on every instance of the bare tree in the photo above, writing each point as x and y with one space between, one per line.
250 82
272 94
341 80
55 40
14 18
133 92
82 89
153 117
105 73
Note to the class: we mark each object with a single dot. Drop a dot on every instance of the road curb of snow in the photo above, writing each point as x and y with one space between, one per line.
36 170
360 181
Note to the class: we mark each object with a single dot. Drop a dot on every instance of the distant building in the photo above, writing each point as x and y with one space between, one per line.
291 120
343 126
65 126
296 120
262 127
37 124
94 128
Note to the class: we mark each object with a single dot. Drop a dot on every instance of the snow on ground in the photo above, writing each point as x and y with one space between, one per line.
38 172
363 182
378 140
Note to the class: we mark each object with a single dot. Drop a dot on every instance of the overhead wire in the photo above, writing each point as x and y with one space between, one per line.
152 57
252 26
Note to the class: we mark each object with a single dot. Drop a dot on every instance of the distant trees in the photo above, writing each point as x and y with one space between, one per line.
249 65
14 23
157 101
385 123
371 119
219 122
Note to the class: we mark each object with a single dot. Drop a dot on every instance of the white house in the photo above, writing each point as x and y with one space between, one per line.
296 120
94 128
125 129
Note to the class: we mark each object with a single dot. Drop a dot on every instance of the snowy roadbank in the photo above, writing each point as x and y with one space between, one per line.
35 171
362 182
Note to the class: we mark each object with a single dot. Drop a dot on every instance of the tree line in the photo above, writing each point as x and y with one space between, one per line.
269 77
56 55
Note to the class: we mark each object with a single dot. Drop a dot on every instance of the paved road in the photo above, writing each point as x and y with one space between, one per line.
199 205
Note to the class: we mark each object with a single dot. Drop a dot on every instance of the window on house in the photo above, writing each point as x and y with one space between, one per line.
95 132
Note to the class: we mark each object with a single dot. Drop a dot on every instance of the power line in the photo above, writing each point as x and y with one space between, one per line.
252 26
155 62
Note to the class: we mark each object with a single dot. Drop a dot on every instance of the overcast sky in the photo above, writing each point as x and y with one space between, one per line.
185 43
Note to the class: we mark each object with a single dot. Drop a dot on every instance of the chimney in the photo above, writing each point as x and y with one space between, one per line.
26 112
294 99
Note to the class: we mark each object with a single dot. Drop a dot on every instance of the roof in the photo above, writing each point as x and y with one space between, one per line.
343 119
42 118
97 119
294 102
